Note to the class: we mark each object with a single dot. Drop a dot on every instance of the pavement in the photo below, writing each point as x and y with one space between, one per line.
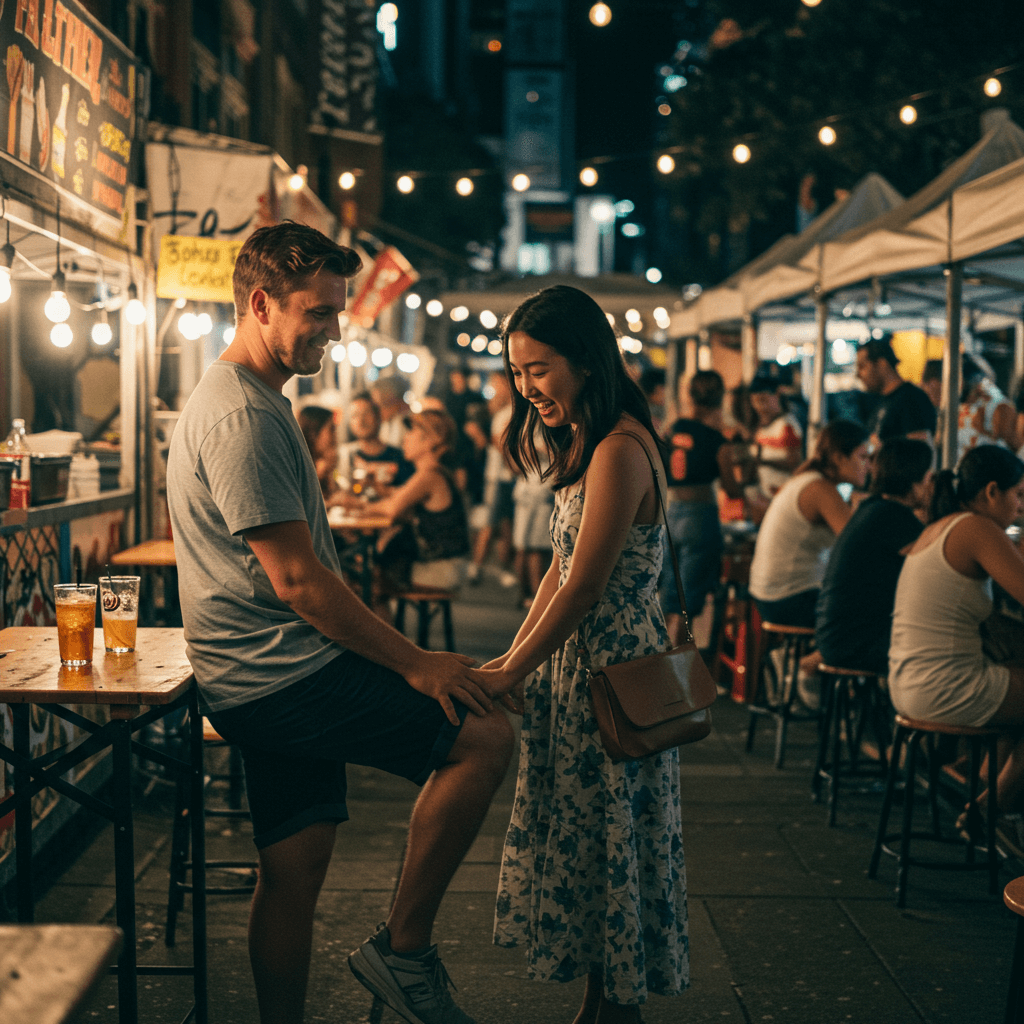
785 925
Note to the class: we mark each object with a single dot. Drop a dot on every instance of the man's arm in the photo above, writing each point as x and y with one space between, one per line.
309 588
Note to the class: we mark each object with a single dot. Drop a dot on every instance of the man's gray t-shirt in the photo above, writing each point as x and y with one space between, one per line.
238 460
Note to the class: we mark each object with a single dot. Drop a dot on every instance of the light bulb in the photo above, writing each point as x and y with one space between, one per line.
521 182
993 87
101 332
600 15
408 362
434 307
412 300
488 320
459 313
295 182
381 357
60 335
347 180
464 186
588 177
204 323
57 308
653 274
134 311
741 153
826 135
229 334
405 184
356 353
188 325
338 352
908 114
666 164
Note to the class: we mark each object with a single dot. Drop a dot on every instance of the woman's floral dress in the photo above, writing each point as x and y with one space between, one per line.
592 876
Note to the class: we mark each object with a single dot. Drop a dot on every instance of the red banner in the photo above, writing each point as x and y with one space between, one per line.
390 275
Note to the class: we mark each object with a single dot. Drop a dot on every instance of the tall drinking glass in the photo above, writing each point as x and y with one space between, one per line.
119 599
76 621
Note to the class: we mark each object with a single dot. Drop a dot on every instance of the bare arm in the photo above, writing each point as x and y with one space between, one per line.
419 487
987 546
727 471
1004 426
618 479
820 501
310 589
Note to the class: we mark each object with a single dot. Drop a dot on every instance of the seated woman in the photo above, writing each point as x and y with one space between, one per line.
802 523
855 604
432 548
317 426
937 668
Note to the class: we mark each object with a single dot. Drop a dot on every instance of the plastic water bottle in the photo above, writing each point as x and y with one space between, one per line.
15 448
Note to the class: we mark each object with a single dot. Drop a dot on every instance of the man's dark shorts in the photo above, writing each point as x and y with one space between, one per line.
295 742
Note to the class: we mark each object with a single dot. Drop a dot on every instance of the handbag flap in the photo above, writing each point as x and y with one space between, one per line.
660 687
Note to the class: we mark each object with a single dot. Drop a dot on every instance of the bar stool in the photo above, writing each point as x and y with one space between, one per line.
180 863
427 602
846 692
1013 897
795 642
910 732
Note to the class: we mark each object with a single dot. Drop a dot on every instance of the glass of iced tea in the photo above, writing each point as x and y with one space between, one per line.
119 599
76 621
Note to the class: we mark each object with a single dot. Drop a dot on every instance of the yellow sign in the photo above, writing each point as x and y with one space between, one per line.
196 268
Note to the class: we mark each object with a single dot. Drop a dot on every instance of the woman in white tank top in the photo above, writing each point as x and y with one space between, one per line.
802 523
937 669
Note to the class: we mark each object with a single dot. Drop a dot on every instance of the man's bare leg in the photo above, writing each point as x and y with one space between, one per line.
291 875
445 821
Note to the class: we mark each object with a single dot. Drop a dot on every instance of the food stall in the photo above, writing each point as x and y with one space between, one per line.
76 326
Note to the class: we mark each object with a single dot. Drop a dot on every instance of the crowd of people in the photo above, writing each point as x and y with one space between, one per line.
556 466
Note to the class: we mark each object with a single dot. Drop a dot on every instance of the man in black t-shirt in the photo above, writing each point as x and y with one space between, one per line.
904 410
854 612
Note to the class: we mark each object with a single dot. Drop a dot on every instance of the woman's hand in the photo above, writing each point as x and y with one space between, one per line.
514 700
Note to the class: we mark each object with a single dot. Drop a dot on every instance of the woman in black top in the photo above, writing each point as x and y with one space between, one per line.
698 455
854 610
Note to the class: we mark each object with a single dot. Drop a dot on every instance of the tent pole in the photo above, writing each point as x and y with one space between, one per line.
817 410
949 412
748 347
1018 352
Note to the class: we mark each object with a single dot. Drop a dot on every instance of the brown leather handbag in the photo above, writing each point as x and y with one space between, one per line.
658 702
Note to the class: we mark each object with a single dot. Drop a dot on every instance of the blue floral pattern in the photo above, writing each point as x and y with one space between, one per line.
592 876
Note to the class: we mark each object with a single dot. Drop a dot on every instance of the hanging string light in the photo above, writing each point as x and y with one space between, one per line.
521 182
101 332
741 153
464 186
588 177
57 308
405 184
826 135
908 113
666 164
993 87
600 15
347 180
7 255
134 311
61 335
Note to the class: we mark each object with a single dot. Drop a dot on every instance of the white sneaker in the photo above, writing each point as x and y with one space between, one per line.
417 989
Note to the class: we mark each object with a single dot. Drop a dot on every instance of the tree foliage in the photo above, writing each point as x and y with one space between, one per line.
775 71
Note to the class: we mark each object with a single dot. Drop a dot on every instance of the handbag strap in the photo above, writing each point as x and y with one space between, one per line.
668 531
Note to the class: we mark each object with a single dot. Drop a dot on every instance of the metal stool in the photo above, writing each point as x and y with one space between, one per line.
1013 897
180 863
910 731
843 689
427 603
795 642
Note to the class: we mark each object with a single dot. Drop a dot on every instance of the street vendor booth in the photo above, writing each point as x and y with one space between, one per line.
75 326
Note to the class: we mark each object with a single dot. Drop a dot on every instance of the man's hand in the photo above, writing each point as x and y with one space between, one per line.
444 676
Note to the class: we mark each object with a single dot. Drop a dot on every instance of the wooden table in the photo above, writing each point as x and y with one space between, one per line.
48 970
157 556
366 528
139 688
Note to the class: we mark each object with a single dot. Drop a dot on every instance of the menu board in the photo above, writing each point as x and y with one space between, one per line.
70 112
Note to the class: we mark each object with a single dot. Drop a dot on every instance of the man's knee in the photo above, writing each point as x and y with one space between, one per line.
301 860
487 741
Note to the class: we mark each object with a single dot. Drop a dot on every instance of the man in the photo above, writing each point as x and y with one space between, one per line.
904 410
389 394
293 668
778 437
367 457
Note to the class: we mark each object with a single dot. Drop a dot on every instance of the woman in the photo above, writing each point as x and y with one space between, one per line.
802 523
698 456
431 550
854 611
937 668
317 426
592 877
986 415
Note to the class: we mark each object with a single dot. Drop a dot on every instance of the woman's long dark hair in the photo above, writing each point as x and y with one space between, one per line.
839 437
988 463
573 324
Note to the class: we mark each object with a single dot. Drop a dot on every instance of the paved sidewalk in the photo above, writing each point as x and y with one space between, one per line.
785 926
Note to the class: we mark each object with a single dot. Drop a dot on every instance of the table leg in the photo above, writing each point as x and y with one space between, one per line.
124 862
198 824
23 818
